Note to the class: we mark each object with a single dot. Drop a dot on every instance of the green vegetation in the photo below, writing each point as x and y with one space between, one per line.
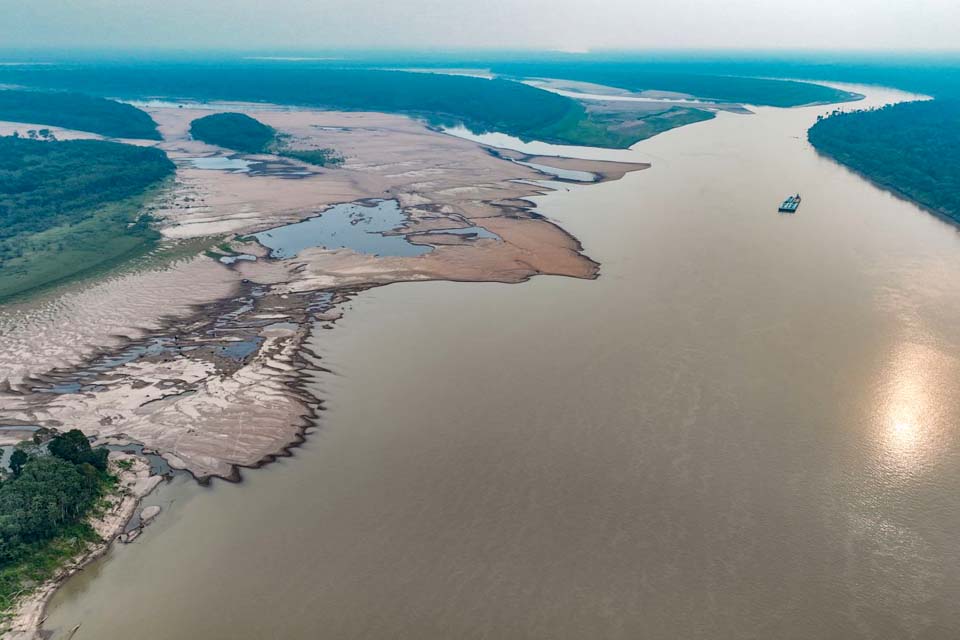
44 506
480 104
635 76
233 131
74 447
911 148
319 157
485 105
640 126
77 111
243 133
67 207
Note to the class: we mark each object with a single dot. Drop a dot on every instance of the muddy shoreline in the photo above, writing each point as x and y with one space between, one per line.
206 363
136 483
217 385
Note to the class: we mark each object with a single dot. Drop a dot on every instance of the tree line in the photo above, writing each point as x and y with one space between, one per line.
77 111
68 205
241 132
911 148
48 492
481 104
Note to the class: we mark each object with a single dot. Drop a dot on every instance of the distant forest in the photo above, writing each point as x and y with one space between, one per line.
68 206
233 131
910 148
77 111
720 87
241 132
482 105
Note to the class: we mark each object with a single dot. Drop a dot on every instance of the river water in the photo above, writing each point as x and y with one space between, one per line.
748 427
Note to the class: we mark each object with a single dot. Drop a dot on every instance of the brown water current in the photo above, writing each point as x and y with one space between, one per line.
747 427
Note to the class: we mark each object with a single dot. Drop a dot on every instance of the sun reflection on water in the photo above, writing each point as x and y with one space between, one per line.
915 395
904 435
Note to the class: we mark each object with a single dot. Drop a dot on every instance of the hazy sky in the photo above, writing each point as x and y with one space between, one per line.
515 24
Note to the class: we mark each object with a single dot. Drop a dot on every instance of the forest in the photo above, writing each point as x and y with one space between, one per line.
481 104
66 207
77 111
243 133
912 149
51 487
233 131
637 76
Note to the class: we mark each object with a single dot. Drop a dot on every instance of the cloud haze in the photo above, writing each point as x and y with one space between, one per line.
515 24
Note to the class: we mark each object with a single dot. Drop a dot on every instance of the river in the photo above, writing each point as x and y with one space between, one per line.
748 427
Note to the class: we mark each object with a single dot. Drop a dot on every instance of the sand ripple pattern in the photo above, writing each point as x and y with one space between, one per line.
63 328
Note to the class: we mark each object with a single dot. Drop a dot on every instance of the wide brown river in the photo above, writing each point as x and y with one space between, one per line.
748 427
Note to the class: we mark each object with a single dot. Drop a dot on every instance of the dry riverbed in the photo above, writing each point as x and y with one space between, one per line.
203 359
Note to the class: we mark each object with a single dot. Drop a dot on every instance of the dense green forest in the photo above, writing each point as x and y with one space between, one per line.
233 131
77 111
911 148
243 133
485 105
66 207
482 105
933 73
45 500
642 77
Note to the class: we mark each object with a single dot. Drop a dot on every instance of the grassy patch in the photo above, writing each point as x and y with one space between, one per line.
40 563
319 157
618 129
110 235
67 208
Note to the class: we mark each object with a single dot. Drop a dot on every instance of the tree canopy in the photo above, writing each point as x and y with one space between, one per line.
241 132
911 148
74 447
44 506
77 111
68 206
640 76
46 496
233 131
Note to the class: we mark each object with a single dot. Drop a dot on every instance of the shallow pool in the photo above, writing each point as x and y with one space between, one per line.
357 226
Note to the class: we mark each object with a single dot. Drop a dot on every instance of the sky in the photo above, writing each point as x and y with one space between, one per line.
555 25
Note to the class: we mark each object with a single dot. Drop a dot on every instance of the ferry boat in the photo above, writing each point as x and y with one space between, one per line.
790 205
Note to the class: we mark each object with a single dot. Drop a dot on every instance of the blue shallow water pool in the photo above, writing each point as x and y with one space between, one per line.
357 226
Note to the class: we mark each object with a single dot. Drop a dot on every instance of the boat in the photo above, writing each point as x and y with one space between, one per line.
791 204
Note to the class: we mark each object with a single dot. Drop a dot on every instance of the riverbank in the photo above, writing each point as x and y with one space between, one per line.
721 434
134 482
229 363
900 148
210 351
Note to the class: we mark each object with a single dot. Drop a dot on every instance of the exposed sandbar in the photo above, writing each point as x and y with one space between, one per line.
204 362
